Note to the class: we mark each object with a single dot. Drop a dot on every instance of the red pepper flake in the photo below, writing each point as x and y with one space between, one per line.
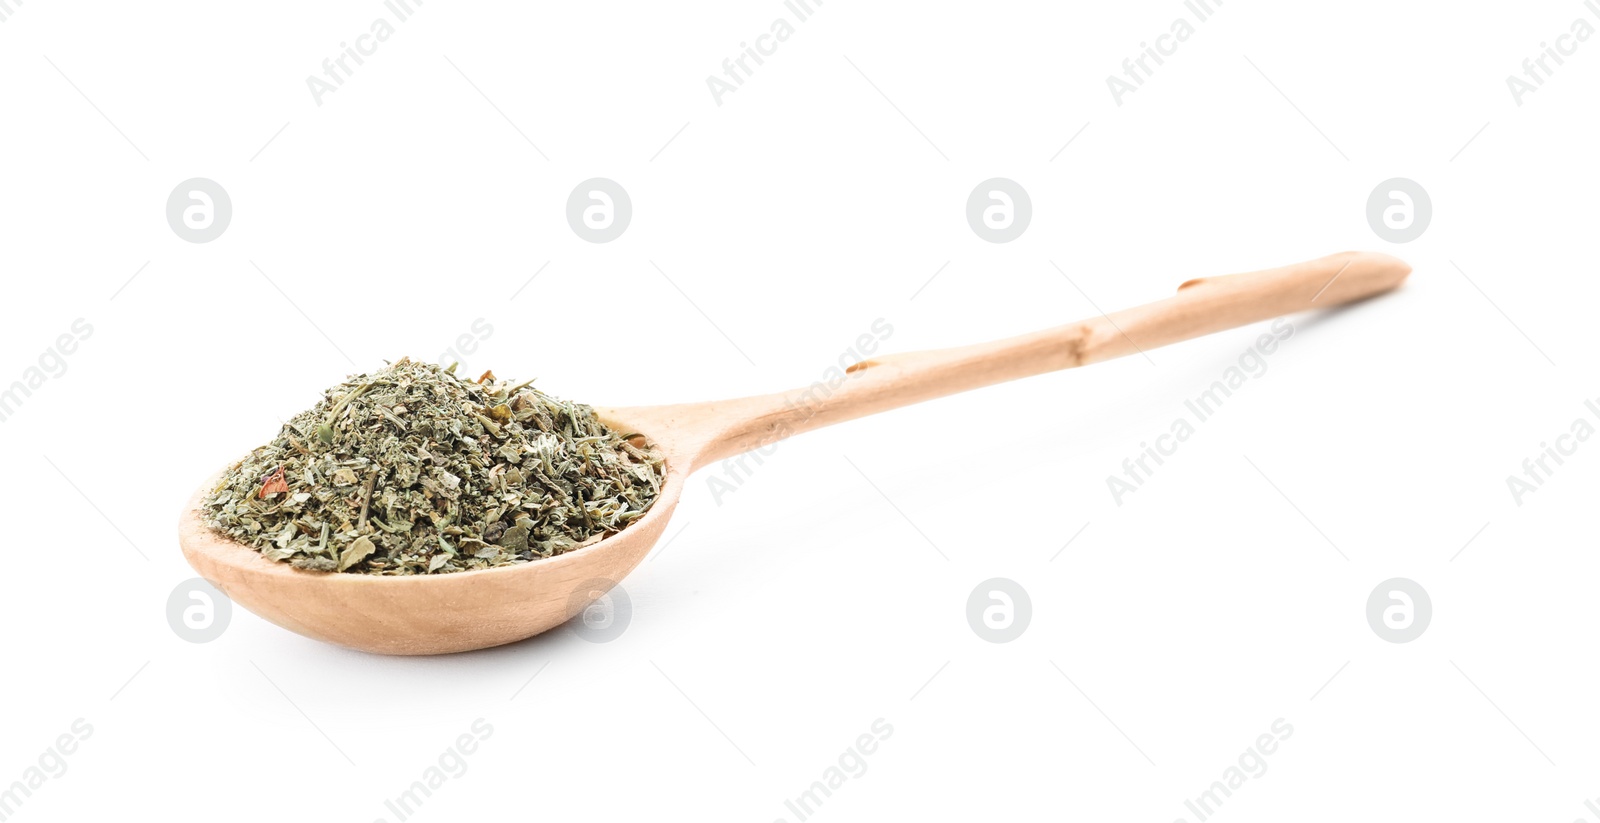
274 483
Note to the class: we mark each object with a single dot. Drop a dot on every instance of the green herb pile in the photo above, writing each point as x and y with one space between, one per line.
413 470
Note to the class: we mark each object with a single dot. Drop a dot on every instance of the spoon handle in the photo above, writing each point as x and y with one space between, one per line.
1200 307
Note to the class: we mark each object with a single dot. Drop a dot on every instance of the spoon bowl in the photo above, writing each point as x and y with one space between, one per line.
433 614
441 613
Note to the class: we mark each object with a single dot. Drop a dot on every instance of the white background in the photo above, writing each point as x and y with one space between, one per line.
785 618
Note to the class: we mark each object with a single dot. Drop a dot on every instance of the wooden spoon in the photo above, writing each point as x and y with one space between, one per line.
433 614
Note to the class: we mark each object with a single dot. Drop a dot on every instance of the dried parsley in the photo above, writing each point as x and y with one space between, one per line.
413 470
